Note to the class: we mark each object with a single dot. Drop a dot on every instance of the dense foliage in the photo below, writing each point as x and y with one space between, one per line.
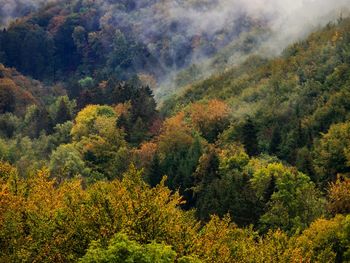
249 165
100 39
288 106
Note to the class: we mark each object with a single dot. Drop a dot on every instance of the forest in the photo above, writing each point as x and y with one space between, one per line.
243 157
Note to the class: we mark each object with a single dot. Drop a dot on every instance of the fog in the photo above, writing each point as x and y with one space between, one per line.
169 28
12 9
289 20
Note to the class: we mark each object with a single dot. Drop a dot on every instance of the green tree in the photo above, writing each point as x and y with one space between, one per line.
9 125
294 204
226 189
100 142
275 141
120 249
155 173
87 82
249 138
63 113
324 241
36 121
332 154
66 162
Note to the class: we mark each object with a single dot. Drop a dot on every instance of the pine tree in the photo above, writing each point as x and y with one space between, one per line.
275 141
250 140
155 174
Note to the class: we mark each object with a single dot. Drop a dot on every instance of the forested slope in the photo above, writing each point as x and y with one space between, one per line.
290 100
103 39
249 165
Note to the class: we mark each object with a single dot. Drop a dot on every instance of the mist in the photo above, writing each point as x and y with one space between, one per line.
288 20
211 34
284 22
295 20
12 9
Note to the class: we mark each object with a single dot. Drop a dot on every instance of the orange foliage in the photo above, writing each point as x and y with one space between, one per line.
156 126
144 155
175 134
210 117
7 171
122 108
56 23
339 196
21 88
43 222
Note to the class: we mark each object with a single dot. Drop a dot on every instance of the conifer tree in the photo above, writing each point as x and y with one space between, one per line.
250 140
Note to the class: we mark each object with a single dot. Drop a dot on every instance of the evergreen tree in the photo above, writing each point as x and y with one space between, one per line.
155 174
187 167
275 141
250 139
138 132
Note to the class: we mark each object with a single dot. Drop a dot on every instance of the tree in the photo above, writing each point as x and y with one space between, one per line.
210 118
100 142
183 178
86 83
105 159
95 120
226 189
339 196
41 220
275 141
7 171
120 249
175 136
29 49
304 163
294 204
324 241
63 113
9 124
61 134
7 95
179 151
79 37
138 110
332 153
66 162
36 121
155 173
249 138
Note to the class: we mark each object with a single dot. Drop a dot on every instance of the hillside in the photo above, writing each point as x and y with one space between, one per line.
18 92
103 39
291 99
248 162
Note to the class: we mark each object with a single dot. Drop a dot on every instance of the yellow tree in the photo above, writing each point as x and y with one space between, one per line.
175 134
339 196
100 142
209 118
